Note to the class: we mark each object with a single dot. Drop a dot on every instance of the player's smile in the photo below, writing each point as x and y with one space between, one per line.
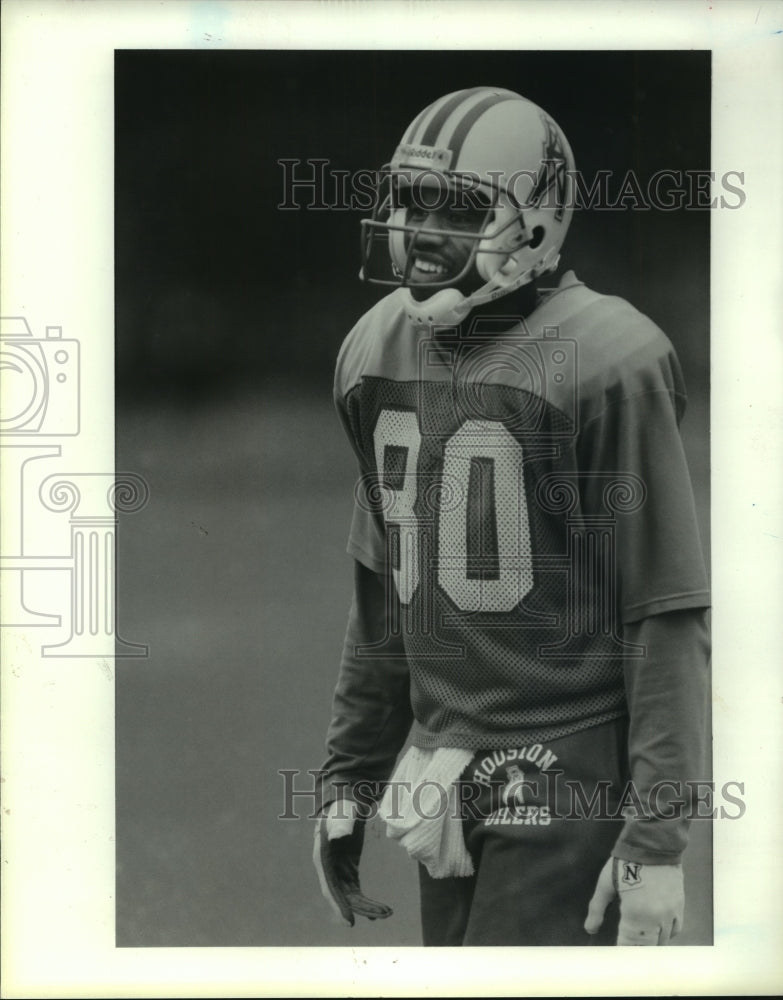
440 254
427 267
439 251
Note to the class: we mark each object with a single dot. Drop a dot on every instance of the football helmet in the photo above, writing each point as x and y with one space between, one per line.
483 146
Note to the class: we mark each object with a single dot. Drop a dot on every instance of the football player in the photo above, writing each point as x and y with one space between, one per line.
530 599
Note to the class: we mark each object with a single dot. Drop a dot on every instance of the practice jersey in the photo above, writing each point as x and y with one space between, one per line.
527 487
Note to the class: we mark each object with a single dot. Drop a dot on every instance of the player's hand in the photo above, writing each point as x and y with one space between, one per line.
339 838
652 901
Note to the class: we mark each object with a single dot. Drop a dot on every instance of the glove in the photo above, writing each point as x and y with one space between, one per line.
652 901
336 853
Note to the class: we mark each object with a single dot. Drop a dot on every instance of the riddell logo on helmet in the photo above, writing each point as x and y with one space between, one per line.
426 156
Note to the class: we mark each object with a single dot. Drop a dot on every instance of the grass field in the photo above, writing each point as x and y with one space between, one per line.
235 576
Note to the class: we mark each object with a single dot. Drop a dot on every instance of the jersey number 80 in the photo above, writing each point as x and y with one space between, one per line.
478 509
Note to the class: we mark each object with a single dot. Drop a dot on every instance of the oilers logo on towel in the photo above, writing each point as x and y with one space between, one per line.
510 795
515 811
520 816
514 789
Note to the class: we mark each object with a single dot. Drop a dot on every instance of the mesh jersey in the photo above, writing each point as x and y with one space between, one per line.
529 491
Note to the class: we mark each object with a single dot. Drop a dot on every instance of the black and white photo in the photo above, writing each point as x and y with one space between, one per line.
390 497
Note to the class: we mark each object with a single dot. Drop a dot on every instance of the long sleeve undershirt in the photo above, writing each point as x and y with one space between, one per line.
667 692
371 709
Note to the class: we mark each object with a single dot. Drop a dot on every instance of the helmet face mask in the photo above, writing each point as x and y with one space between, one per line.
463 215
500 161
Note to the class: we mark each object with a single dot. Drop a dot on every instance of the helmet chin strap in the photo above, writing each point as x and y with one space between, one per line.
444 308
449 307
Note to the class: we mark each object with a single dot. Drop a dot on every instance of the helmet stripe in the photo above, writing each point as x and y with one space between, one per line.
438 120
469 120
408 137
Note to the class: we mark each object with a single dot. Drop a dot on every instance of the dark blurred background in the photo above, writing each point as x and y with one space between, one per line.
229 315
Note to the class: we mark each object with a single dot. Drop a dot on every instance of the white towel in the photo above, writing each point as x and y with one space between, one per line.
424 815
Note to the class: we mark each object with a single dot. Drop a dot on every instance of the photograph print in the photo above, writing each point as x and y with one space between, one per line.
413 355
